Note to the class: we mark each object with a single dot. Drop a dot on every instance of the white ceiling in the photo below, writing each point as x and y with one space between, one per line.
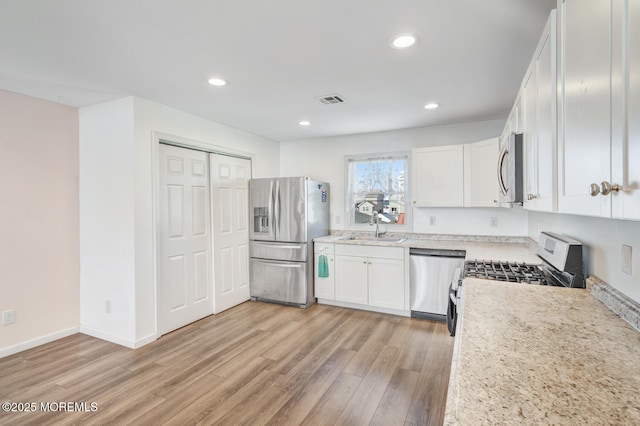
278 55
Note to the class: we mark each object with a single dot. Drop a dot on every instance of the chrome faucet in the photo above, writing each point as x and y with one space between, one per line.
374 220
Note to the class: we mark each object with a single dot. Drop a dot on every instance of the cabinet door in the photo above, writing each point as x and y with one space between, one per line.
386 283
626 110
351 279
483 181
438 176
546 124
585 106
539 111
517 124
530 135
324 287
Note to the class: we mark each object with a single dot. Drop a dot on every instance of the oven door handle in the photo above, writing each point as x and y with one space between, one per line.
452 311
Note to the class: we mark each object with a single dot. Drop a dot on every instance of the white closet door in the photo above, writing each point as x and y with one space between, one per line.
230 205
184 239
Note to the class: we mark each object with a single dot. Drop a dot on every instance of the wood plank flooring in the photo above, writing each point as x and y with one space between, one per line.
255 364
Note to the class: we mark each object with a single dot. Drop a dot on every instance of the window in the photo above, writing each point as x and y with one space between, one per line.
378 184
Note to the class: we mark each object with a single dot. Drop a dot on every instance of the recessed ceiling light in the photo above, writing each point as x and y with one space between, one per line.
304 123
431 106
217 82
403 41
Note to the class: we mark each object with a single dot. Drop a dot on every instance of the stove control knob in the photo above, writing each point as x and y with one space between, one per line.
594 189
607 188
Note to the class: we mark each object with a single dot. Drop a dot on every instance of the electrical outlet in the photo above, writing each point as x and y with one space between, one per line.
8 317
493 222
432 221
626 259
107 306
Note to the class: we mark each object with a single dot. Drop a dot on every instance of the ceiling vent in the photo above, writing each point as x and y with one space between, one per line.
331 99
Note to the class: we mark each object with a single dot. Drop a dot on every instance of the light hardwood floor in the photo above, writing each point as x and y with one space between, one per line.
254 364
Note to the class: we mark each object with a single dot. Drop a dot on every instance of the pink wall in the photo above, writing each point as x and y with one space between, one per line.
39 231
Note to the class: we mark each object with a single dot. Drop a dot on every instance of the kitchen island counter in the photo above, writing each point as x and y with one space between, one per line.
529 354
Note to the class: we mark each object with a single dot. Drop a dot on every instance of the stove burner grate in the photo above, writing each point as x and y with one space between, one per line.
507 271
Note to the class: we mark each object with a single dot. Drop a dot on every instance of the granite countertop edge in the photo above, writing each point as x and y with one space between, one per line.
599 321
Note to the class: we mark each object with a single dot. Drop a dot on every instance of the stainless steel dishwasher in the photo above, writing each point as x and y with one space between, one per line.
431 272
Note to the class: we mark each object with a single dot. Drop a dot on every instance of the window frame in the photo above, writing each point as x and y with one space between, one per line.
349 193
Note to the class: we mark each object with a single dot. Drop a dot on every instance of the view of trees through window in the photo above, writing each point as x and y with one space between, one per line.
378 185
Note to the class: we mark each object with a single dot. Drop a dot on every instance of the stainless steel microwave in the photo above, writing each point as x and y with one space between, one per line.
510 174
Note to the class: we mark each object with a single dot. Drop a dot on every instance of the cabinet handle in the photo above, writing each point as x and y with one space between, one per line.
607 188
594 189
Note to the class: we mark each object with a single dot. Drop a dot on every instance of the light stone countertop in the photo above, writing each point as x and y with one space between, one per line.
529 354
511 249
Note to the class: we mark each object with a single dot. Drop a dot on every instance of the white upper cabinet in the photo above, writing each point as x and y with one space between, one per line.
515 119
539 123
625 149
598 107
481 165
584 125
438 176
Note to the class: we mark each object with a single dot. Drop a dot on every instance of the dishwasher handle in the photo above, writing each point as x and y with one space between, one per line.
437 252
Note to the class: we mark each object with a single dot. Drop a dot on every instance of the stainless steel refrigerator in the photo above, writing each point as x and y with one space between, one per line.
286 215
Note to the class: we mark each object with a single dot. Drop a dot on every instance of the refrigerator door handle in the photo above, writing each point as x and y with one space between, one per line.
276 212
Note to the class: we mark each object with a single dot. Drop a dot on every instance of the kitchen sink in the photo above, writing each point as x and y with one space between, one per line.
381 239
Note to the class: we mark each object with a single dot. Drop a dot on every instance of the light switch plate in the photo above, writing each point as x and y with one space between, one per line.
626 259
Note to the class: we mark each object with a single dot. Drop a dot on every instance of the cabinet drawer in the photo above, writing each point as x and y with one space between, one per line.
370 251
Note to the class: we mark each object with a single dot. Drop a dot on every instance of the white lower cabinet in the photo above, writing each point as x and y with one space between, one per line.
364 277
351 279
386 283
324 287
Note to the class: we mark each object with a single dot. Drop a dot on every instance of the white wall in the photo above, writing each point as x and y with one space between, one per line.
107 232
39 265
602 239
470 221
118 143
323 159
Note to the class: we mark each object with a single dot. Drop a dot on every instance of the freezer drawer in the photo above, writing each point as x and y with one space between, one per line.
279 251
279 281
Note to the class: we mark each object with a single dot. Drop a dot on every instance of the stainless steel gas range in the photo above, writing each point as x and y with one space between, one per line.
561 265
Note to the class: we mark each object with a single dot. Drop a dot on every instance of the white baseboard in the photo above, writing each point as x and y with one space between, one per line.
131 344
10 350
146 340
364 307
108 337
